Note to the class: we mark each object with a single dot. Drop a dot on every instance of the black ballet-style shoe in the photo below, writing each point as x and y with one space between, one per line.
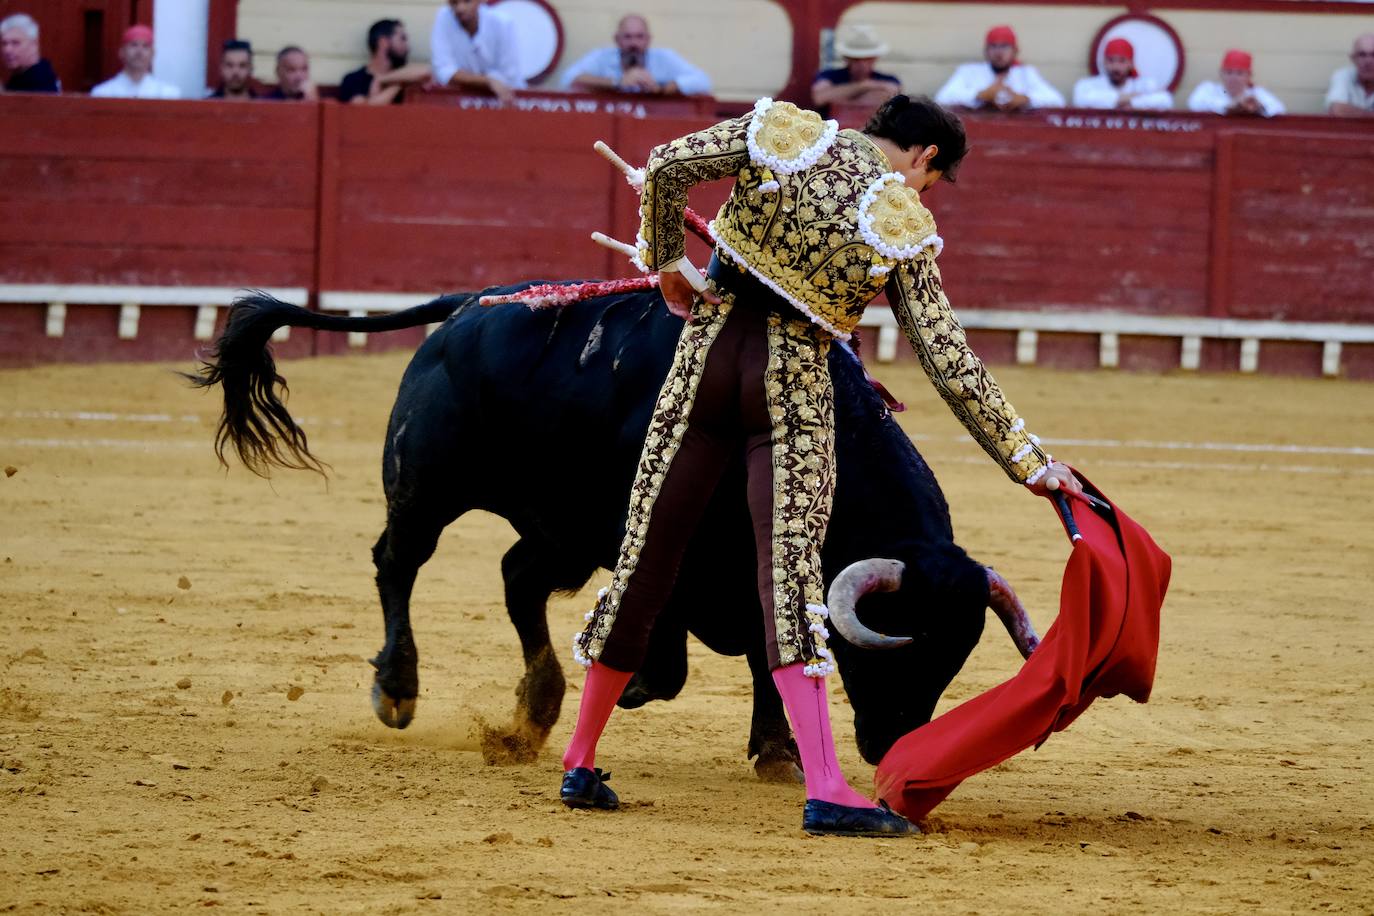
823 818
584 788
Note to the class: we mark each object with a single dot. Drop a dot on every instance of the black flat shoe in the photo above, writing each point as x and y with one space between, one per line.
828 819
584 788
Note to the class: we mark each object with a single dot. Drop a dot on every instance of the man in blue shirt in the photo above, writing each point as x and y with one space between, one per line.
633 66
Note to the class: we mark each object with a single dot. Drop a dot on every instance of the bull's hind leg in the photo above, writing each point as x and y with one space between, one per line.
533 570
408 541
770 738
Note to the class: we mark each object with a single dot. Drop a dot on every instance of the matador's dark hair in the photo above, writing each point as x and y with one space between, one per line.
918 121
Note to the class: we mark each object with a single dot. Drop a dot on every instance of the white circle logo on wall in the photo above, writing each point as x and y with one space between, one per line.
540 34
1158 50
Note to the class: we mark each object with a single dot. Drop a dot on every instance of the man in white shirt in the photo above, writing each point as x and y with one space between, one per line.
1352 88
136 80
474 47
1237 93
1001 81
633 66
1119 85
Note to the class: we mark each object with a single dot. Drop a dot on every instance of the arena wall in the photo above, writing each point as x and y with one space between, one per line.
1199 242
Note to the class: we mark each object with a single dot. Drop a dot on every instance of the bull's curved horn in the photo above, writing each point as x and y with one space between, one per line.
857 580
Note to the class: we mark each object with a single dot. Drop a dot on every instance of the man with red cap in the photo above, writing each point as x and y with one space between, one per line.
1119 85
136 80
1237 93
1000 81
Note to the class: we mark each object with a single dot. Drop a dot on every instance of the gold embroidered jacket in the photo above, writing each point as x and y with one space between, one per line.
819 217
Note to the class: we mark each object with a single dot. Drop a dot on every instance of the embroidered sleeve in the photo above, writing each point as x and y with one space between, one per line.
919 302
673 168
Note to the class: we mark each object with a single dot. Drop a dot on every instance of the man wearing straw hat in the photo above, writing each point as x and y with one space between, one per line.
856 83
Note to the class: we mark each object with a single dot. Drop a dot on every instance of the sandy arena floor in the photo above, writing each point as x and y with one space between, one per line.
184 715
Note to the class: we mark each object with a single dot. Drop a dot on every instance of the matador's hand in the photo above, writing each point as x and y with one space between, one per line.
1058 477
679 295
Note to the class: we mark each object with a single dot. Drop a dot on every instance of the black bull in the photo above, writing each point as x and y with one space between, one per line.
539 417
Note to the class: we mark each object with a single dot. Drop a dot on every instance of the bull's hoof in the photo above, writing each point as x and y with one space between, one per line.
393 713
779 769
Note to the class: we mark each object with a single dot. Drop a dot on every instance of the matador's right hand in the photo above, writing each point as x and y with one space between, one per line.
679 295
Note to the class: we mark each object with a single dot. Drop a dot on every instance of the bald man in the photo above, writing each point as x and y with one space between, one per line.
632 66
1352 88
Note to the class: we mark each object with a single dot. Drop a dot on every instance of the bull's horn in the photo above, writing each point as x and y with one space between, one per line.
857 580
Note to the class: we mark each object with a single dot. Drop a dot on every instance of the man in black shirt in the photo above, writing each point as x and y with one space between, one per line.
857 82
29 70
293 77
235 72
383 80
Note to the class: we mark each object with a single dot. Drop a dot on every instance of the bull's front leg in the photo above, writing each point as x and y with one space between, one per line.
770 738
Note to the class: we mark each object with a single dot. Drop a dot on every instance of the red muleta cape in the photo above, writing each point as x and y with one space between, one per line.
1104 642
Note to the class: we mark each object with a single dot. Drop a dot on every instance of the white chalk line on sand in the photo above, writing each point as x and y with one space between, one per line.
151 445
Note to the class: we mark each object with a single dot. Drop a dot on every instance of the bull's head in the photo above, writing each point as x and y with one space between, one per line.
915 640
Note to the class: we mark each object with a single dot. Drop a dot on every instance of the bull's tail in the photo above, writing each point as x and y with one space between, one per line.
255 423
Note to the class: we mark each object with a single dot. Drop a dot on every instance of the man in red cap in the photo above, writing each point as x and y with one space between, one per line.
1000 81
136 80
1119 85
1237 93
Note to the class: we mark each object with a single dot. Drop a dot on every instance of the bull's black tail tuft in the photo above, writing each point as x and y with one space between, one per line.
255 422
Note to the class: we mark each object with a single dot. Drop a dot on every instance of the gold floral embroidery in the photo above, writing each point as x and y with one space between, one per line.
801 405
673 168
922 309
787 131
661 444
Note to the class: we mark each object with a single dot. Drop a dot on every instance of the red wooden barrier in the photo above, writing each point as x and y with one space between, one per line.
151 194
1240 220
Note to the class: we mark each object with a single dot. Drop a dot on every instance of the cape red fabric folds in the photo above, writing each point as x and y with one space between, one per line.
1103 643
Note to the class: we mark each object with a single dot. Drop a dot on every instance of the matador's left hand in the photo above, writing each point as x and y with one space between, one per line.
1062 477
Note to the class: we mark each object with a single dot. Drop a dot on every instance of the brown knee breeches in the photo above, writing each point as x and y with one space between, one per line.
745 379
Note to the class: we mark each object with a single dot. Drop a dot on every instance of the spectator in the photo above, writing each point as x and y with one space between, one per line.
633 66
1001 81
383 79
857 82
1119 85
235 72
293 77
1352 88
1237 92
29 70
136 80
474 47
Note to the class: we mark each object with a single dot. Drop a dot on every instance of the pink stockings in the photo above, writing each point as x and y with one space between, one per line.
803 697
600 690
808 709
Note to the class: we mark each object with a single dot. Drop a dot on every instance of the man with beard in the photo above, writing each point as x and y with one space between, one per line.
29 69
136 80
1119 85
1000 82
235 72
382 80
633 66
474 46
1351 94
